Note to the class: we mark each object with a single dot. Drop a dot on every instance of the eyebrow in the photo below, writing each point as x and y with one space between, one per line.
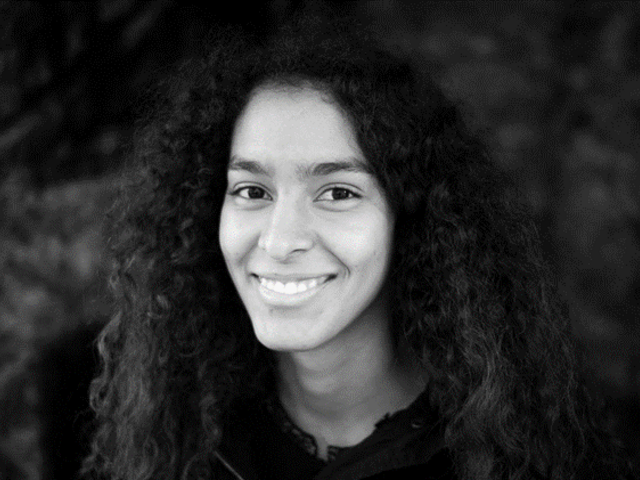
319 169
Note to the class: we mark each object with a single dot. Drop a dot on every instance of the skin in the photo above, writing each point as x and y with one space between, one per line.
302 209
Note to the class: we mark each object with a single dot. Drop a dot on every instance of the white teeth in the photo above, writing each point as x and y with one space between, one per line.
290 288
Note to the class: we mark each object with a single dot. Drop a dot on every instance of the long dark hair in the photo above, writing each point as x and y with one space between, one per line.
476 304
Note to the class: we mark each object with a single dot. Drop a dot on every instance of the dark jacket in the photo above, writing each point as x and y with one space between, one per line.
408 443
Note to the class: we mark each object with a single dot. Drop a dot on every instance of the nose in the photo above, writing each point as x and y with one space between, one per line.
287 230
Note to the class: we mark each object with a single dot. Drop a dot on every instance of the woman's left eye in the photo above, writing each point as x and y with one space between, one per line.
338 193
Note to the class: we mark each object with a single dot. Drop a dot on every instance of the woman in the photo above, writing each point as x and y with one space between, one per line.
319 273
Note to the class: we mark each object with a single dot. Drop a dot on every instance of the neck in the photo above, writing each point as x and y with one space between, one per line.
339 393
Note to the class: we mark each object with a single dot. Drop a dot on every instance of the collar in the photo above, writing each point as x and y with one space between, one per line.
409 437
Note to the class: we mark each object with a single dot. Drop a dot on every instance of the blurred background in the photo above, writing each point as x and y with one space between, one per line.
556 85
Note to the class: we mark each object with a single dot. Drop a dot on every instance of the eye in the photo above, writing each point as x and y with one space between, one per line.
337 193
251 192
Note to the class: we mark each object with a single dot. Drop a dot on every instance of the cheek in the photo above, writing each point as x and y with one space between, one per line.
232 236
365 246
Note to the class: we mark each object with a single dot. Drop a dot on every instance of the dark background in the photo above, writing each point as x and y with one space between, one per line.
556 83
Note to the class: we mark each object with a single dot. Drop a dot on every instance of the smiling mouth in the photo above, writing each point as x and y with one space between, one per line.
293 287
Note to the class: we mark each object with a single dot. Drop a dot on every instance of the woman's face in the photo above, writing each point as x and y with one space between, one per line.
305 229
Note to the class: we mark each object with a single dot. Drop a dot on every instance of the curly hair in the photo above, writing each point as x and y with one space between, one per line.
476 303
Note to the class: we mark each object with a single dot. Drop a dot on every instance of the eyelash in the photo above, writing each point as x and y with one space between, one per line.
350 193
238 192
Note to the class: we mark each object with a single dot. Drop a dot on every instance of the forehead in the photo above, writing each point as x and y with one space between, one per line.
293 124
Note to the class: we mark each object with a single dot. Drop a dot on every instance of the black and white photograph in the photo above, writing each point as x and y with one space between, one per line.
319 240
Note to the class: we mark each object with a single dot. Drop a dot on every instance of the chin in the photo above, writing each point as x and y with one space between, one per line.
279 344
287 341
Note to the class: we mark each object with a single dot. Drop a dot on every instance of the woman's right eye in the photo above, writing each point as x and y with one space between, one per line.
251 193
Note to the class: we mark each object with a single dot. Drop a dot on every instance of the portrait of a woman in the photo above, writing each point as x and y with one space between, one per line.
319 273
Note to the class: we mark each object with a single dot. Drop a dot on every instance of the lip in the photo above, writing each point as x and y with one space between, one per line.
291 277
278 299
